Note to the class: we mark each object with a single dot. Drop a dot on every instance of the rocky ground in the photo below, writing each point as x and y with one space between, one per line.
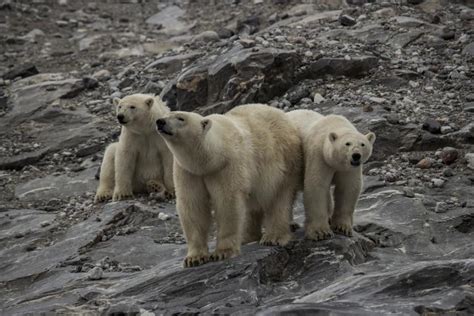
403 69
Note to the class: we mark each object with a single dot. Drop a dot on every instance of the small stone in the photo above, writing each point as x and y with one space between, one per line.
447 34
425 163
102 75
432 126
469 107
367 108
164 217
95 274
470 160
318 99
437 183
247 42
44 224
408 192
391 177
441 207
446 129
448 172
449 155
347 20
377 100
206 37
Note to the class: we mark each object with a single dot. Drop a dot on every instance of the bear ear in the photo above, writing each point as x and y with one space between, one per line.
115 101
332 137
149 102
371 137
206 125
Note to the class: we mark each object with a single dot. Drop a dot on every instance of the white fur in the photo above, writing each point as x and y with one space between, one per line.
329 144
245 166
140 161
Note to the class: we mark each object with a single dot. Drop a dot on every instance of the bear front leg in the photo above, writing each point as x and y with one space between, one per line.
125 163
346 193
317 203
277 219
230 214
194 210
107 175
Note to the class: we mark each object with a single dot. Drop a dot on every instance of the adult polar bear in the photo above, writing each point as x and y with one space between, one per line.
245 165
139 161
334 152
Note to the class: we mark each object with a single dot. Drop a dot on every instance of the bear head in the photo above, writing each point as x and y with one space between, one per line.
349 149
183 127
134 110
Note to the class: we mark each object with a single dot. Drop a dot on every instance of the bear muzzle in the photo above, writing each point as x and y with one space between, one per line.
355 159
121 119
162 127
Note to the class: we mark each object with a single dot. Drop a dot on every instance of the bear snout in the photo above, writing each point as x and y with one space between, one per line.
160 123
121 118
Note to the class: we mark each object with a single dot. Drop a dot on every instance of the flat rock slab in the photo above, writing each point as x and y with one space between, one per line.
62 186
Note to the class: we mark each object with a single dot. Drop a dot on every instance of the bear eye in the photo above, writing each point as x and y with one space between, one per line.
181 119
363 145
133 107
348 144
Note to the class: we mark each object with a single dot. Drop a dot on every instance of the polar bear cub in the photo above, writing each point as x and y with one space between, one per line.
334 152
139 161
245 166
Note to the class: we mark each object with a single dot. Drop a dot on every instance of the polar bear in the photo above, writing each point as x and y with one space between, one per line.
139 161
245 166
334 152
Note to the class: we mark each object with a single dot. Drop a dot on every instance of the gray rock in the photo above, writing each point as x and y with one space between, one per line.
172 64
61 186
206 37
170 19
432 126
470 160
22 71
95 274
236 77
347 20
353 67
469 107
468 51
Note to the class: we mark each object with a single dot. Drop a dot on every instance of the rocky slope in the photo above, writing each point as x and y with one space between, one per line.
403 69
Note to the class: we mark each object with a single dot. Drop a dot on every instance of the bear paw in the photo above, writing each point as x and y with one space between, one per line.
319 233
273 240
343 229
194 261
103 196
221 254
122 195
154 186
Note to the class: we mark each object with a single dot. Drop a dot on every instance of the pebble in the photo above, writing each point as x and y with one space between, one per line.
318 99
449 155
432 126
437 183
441 207
102 75
408 192
347 20
425 163
44 224
470 160
446 129
95 274
164 217
448 172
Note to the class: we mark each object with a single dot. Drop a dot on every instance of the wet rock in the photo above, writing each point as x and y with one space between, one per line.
347 20
22 71
449 155
432 126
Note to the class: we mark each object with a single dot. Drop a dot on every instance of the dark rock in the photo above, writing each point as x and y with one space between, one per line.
432 126
236 77
127 82
248 25
347 20
19 161
354 67
225 33
89 150
447 34
415 1
22 71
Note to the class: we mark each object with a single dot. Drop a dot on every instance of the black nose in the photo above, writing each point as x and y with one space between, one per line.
120 118
356 157
160 123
